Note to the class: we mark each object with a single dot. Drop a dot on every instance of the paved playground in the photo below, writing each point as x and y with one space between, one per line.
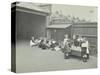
35 59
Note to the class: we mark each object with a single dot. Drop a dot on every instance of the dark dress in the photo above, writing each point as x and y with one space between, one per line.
67 50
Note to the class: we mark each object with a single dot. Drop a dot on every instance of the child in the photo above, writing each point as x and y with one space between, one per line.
76 42
57 47
85 50
32 42
66 48
80 39
53 44
48 44
43 44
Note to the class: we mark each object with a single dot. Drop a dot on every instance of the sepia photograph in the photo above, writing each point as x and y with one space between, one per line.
53 37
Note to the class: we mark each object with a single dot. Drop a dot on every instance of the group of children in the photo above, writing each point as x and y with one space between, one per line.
82 42
77 42
45 43
65 45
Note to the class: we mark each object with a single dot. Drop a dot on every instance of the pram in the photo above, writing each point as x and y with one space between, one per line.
79 52
76 50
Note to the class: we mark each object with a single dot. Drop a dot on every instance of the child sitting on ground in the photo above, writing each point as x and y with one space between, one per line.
53 44
48 44
43 43
32 42
57 47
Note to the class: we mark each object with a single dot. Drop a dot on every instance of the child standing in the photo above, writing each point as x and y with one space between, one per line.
66 44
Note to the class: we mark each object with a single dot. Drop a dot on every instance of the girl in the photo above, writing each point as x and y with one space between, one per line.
32 42
66 44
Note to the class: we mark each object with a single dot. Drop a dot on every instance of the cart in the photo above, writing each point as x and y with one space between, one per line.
77 51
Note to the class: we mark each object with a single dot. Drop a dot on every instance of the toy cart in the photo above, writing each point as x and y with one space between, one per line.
77 51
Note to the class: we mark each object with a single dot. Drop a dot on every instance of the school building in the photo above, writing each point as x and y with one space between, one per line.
34 20
59 27
31 20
